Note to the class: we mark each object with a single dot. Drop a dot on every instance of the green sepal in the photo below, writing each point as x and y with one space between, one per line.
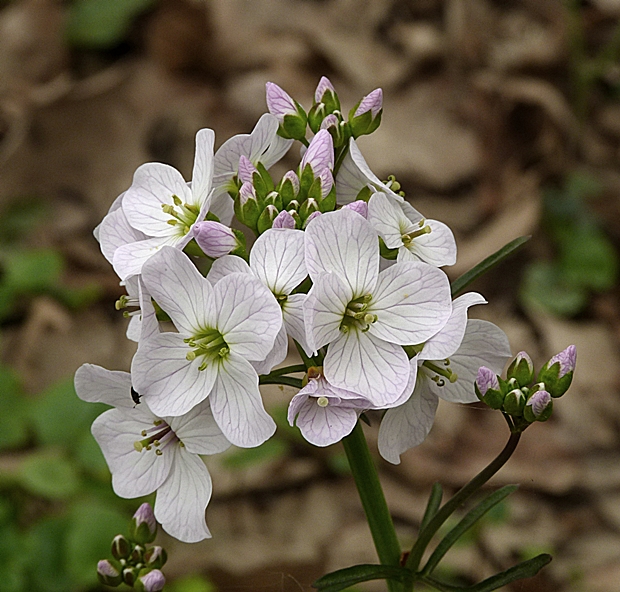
306 179
316 115
287 192
248 213
112 581
522 371
121 548
363 124
385 252
240 249
344 578
265 220
493 398
293 127
308 207
514 402
328 203
155 560
555 385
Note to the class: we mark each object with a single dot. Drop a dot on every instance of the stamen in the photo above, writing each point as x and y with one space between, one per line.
445 372
322 401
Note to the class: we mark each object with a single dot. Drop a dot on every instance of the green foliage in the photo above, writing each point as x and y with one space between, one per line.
585 261
193 583
13 422
49 475
102 24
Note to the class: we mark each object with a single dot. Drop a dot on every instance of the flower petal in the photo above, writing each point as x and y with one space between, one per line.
182 499
248 315
178 288
365 364
202 174
412 303
408 425
98 385
448 340
293 318
437 248
237 405
276 356
115 231
344 243
153 185
198 430
168 382
225 266
388 219
129 258
277 259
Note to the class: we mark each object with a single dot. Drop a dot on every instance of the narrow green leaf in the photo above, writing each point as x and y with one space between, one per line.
343 578
465 524
434 500
460 283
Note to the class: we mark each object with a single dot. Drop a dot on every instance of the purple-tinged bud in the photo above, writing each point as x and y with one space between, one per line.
246 206
488 389
372 102
121 549
265 220
320 153
214 238
310 218
279 102
152 581
308 207
521 369
283 220
130 575
108 573
360 206
156 557
557 373
246 192
327 182
539 406
294 180
143 526
514 402
330 121
246 169
323 85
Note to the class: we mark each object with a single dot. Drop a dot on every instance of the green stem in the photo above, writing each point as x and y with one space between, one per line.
373 500
425 536
285 380
286 370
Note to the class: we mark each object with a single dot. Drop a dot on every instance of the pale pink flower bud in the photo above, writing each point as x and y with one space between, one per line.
311 217
279 102
330 121
293 178
327 182
486 379
320 153
539 402
214 238
323 85
246 169
372 102
154 581
567 359
246 192
106 569
359 206
283 220
143 525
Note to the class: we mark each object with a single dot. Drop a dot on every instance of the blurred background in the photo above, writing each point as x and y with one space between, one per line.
501 118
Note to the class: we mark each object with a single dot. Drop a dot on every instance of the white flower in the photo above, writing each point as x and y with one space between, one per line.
163 207
221 329
446 367
366 316
277 259
147 453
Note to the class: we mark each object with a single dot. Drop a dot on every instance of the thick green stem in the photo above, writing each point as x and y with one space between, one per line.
425 536
284 380
373 500
286 370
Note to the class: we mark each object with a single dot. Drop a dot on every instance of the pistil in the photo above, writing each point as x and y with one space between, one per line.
356 315
209 344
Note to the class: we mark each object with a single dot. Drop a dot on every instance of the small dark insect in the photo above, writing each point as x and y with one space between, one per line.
135 396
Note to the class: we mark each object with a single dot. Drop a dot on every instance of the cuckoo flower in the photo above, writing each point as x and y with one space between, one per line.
221 329
277 260
447 367
149 453
366 316
163 207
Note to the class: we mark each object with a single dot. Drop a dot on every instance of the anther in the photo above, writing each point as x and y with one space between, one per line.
322 401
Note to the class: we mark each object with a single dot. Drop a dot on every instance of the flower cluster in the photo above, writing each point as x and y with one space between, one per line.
341 266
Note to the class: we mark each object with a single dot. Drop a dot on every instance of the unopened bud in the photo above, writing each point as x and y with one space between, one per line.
309 219
487 388
121 547
320 153
359 206
539 406
372 102
143 526
308 207
514 402
214 238
156 557
150 581
366 116
557 373
521 369
130 575
246 206
322 87
289 187
283 220
293 119
109 573
265 220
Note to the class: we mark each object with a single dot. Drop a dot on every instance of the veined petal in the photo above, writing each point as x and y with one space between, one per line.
344 243
116 204
98 385
324 309
448 340
412 303
178 288
484 344
276 356
293 317
349 180
320 153
322 426
169 383
408 425
437 248
182 499
154 184
202 174
149 325
129 258
115 231
133 473
388 219
277 259
222 206
237 405
225 266
248 315
365 364
198 430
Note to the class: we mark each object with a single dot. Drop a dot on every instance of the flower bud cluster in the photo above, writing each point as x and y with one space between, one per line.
133 562
523 396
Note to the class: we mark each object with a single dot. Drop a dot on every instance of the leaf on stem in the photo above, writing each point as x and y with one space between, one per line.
434 501
343 578
460 283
